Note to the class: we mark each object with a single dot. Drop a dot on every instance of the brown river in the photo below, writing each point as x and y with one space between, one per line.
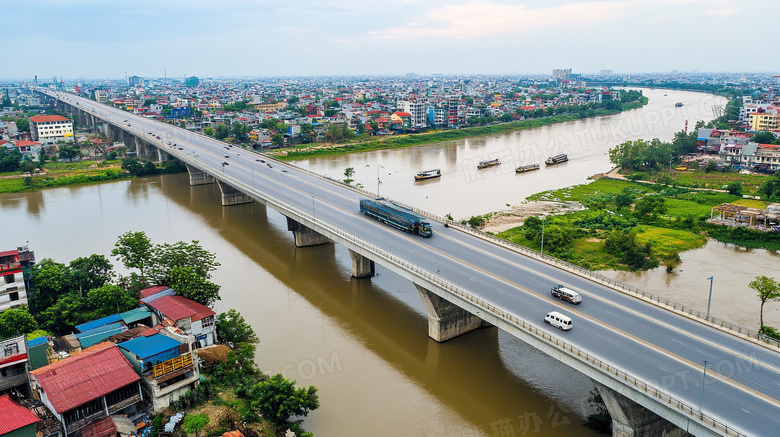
364 343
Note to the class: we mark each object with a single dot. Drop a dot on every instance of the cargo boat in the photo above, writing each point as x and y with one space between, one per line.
486 164
427 174
525 168
557 159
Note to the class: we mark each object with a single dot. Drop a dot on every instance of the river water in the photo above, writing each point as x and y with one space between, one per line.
364 343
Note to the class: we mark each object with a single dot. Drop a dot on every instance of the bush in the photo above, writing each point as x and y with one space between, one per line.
770 332
476 221
635 176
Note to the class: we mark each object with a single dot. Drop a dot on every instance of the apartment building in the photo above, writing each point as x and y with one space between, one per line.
48 129
764 121
15 277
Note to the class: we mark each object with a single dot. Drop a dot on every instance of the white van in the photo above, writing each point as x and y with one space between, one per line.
566 294
558 320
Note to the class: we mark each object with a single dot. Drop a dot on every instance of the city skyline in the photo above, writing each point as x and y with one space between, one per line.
86 38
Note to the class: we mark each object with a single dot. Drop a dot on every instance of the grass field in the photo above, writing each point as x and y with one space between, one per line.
581 192
668 241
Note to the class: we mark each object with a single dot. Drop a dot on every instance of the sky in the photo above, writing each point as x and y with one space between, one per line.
206 38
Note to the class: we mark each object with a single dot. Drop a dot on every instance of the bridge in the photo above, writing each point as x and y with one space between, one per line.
661 368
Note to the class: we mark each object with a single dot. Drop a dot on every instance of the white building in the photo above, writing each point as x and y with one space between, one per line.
13 287
418 111
48 129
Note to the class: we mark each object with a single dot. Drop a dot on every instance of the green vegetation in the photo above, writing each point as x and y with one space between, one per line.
633 226
400 141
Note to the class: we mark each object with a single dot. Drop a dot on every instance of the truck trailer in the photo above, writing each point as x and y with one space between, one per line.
396 216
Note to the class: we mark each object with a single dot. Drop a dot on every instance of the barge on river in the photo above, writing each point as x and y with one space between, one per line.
427 174
525 168
486 164
557 159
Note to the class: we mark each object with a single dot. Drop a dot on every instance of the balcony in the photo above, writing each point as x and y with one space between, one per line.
13 381
172 368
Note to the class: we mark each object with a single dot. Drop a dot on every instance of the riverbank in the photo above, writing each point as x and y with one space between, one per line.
622 225
400 141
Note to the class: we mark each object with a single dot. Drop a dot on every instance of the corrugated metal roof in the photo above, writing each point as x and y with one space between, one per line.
94 372
97 337
177 308
98 330
151 298
146 292
84 327
135 314
36 341
13 416
100 428
145 347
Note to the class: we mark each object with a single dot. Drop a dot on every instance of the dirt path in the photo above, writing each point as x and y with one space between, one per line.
516 215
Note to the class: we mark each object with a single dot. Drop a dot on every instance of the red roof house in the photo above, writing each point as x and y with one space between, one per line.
13 416
189 316
47 118
78 389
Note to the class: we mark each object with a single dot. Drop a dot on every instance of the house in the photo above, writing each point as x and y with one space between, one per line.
15 420
192 318
15 268
29 149
13 366
404 118
94 384
165 365
48 129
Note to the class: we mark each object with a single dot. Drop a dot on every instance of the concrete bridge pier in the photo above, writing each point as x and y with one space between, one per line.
231 196
630 419
162 156
304 236
198 177
107 129
445 319
140 147
362 267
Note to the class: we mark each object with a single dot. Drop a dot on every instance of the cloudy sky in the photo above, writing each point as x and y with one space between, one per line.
106 38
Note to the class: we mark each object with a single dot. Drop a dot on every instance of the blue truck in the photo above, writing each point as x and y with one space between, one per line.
396 216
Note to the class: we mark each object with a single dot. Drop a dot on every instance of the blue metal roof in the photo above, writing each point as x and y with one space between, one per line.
135 314
99 329
84 327
95 336
36 341
145 347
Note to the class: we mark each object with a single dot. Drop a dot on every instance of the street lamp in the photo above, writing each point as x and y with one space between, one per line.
709 301
701 396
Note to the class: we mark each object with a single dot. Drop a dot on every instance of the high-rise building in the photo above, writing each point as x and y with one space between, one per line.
417 109
15 277
562 74
191 81
607 73
133 80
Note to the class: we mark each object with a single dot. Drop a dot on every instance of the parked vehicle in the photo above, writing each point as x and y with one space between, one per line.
566 294
396 216
558 320
557 159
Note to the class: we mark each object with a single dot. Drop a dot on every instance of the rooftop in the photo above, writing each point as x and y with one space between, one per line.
13 416
178 307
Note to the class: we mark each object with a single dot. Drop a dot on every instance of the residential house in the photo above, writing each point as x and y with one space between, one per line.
30 149
764 121
404 119
165 365
192 318
48 129
94 384
13 366
15 268
15 420
767 157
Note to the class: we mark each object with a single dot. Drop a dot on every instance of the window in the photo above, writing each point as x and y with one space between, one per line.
10 279
11 349
207 321
14 296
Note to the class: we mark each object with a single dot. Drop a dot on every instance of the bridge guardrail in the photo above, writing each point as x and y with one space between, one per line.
567 348
621 286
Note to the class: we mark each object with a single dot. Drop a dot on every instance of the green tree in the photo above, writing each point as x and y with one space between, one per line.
90 272
69 152
624 247
28 165
165 257
110 299
240 131
9 159
193 286
771 187
277 399
16 321
62 317
23 125
768 289
134 250
278 140
49 280
194 423
735 188
711 166
233 328
222 132
765 138
348 173
650 205
208 131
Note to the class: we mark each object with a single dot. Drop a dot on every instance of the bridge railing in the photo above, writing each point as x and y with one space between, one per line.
622 286
668 303
567 348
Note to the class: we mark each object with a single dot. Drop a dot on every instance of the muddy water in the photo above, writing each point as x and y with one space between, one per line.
464 191
363 343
